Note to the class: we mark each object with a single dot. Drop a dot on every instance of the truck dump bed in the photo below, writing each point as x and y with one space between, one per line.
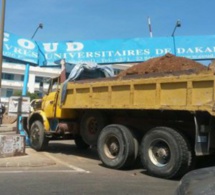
179 91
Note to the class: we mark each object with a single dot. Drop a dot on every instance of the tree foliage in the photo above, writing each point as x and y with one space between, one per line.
31 95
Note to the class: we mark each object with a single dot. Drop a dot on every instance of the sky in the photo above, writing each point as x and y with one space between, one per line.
78 20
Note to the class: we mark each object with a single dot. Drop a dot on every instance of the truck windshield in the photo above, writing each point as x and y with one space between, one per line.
53 86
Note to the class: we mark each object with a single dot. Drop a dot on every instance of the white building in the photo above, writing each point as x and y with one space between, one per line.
13 77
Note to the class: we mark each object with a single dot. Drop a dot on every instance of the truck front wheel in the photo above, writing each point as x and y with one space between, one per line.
165 153
117 147
38 140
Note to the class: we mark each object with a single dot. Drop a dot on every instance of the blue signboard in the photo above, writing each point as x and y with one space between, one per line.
107 51
20 48
196 47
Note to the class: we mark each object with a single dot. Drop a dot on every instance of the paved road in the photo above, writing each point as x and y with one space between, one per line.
79 172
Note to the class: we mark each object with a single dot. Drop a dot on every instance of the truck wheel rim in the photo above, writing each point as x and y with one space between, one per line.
92 126
111 147
159 153
35 136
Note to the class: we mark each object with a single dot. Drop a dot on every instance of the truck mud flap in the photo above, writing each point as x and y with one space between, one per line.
202 138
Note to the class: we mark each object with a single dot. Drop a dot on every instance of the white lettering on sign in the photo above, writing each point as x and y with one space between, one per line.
163 51
26 44
50 47
74 46
108 55
196 50
6 36
8 47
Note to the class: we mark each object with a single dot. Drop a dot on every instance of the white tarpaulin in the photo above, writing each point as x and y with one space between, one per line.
79 68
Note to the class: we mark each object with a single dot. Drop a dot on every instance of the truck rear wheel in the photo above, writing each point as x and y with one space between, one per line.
92 123
165 153
117 147
38 140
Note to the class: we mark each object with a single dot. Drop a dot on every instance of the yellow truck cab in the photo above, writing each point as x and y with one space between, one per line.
48 120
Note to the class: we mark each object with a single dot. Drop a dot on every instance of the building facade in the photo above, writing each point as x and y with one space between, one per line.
13 77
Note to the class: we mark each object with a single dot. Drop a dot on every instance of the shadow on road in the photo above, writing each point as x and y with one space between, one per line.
69 148
65 147
205 161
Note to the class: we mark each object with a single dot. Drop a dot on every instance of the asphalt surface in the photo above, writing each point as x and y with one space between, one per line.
64 169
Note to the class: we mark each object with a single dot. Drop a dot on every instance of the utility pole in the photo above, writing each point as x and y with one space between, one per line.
178 24
24 93
150 27
1 40
39 26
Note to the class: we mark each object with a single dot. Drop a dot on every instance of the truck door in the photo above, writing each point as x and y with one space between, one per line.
50 100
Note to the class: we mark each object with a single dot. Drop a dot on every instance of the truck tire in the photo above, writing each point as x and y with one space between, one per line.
38 140
80 144
165 153
92 123
117 147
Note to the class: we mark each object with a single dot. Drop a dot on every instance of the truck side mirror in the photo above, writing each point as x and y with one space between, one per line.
41 88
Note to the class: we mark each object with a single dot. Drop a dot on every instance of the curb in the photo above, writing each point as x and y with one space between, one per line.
31 158
8 128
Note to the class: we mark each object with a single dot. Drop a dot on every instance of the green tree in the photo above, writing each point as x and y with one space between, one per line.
31 95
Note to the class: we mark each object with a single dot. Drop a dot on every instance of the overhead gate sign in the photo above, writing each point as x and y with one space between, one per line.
107 51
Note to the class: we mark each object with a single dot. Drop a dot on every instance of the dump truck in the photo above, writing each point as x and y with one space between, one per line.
166 119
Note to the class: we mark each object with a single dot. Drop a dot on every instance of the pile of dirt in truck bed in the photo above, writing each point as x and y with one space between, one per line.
165 64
